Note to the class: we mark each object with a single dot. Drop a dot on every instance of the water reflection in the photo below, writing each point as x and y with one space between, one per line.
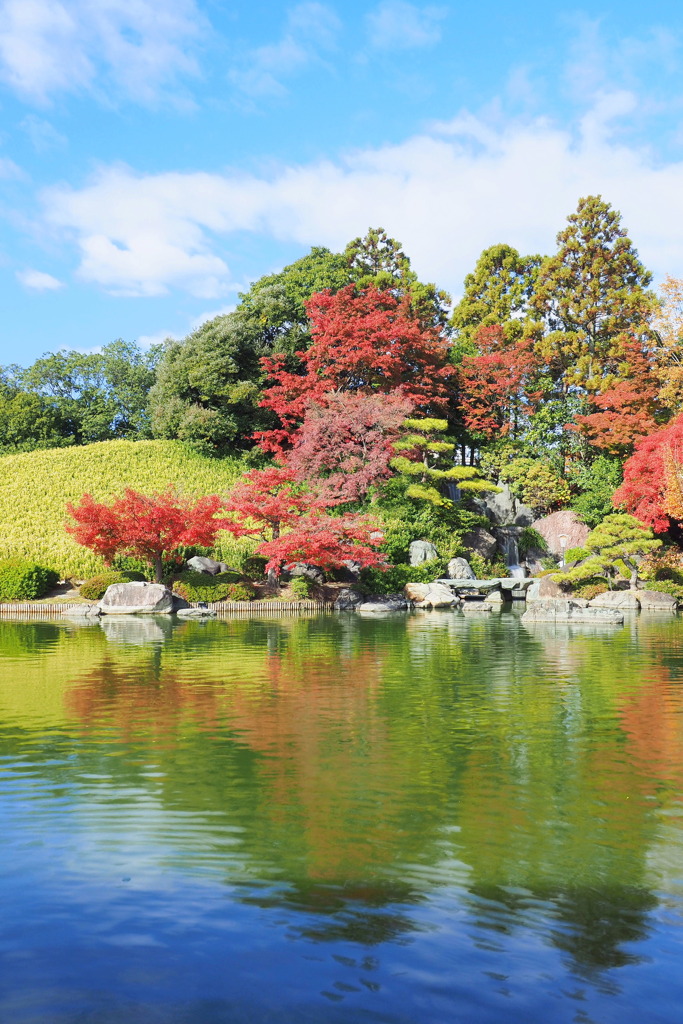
354 784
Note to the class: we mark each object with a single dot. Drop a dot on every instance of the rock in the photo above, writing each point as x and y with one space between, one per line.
200 563
416 592
506 510
382 604
83 611
460 569
498 597
567 610
438 596
481 542
309 572
476 607
543 588
562 524
348 600
196 613
137 598
179 602
626 600
421 551
348 572
653 601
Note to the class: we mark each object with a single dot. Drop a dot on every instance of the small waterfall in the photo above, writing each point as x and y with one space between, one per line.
511 550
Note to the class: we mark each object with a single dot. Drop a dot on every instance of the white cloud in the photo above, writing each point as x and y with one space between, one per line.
398 25
44 136
138 47
310 29
38 281
446 194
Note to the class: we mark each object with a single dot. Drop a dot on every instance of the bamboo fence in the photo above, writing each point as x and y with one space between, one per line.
223 609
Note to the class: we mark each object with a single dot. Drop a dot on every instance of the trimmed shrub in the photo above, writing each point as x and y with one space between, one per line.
240 592
301 587
591 590
21 580
394 579
94 588
198 586
254 566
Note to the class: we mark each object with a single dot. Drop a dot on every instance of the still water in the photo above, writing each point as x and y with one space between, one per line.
416 820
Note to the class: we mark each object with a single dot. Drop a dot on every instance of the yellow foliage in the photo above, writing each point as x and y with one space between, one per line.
36 486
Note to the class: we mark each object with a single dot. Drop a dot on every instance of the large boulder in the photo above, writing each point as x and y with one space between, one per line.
437 595
421 551
348 600
498 596
562 524
626 600
137 599
460 569
416 592
307 571
505 510
383 604
653 601
556 610
544 588
481 542
200 563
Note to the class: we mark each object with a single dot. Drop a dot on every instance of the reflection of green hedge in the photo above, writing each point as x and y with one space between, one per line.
21 580
94 588
226 586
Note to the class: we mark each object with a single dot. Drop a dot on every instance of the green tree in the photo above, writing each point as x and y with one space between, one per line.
497 292
591 292
618 538
425 466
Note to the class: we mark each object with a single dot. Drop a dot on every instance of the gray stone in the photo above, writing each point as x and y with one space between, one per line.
136 599
179 602
558 610
200 563
383 604
481 542
421 551
498 597
506 510
438 596
476 607
348 600
653 601
83 611
196 613
544 588
626 600
562 524
460 569
416 592
307 571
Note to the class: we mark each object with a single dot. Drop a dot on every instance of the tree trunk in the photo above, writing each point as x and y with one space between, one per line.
158 569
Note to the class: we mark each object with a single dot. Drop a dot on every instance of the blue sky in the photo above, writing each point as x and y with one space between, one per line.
158 155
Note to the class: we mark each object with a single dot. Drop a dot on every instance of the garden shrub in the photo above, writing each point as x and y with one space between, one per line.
21 580
394 579
590 590
198 586
301 587
484 569
94 588
254 566
240 591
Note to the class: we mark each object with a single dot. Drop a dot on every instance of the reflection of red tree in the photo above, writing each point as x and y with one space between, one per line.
651 719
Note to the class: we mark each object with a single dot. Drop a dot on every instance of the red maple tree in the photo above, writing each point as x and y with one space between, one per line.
146 526
344 447
368 341
496 385
645 492
270 498
327 542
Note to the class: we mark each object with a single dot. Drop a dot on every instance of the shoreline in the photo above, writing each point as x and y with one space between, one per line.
73 610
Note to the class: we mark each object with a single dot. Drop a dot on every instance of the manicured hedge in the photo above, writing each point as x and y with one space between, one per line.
94 588
21 580
226 586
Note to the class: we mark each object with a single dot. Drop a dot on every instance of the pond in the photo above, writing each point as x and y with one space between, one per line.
412 820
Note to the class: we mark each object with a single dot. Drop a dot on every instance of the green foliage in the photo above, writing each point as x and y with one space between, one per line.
535 483
590 589
531 540
497 292
674 588
94 588
394 579
597 481
21 580
199 586
484 569
254 566
301 587
35 487
243 591
616 545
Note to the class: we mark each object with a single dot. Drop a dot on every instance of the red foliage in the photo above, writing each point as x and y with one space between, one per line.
145 526
344 447
625 412
368 341
270 498
327 542
495 385
646 475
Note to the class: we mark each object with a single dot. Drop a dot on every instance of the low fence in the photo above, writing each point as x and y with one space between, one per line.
39 610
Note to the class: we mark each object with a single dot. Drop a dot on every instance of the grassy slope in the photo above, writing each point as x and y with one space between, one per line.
35 487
